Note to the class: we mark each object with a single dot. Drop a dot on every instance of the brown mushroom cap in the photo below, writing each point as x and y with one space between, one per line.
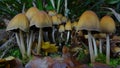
31 11
88 21
59 16
49 19
64 19
20 21
52 13
56 20
40 20
61 28
107 24
74 24
68 26
100 35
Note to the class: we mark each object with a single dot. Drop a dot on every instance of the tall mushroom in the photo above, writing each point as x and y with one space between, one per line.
40 20
61 30
64 20
68 28
101 37
19 24
90 22
30 13
107 25
56 21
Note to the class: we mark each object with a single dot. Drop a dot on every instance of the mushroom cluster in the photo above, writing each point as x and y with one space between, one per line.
48 29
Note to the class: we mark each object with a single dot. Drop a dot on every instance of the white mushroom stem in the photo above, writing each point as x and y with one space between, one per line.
22 42
68 37
53 4
58 5
90 47
53 34
27 40
19 45
95 47
100 46
30 44
39 41
61 36
107 49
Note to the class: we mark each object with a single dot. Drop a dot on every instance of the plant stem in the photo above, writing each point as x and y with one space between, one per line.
58 6
90 47
107 49
30 44
100 46
53 4
66 9
95 47
39 41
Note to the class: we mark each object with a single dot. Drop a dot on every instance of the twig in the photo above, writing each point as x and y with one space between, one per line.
6 43
5 51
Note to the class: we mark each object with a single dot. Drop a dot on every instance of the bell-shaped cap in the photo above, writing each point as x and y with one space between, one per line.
48 17
100 35
41 20
56 20
89 21
74 25
31 11
68 26
61 28
52 13
64 19
59 16
20 21
107 24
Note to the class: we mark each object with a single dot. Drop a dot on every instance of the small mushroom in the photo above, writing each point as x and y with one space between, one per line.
19 24
101 37
61 30
40 20
90 22
107 25
64 20
52 13
56 21
68 28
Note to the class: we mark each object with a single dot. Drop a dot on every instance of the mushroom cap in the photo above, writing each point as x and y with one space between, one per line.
59 16
64 19
56 20
41 20
52 13
107 24
74 25
116 38
89 21
31 11
61 28
68 26
100 35
48 17
20 21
